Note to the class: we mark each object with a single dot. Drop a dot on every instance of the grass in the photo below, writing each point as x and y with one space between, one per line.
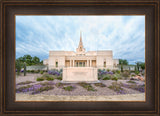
68 88
26 82
87 86
100 84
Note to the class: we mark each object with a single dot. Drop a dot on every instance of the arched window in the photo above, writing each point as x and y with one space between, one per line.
56 63
104 63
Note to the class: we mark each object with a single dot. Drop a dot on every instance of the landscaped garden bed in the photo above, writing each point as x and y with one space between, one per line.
49 83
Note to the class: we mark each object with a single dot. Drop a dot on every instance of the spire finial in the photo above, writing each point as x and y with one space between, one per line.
80 47
81 36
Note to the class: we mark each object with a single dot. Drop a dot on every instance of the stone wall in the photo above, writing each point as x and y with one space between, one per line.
40 67
80 74
127 67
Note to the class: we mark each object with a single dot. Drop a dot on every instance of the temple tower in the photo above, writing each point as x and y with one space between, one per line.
80 49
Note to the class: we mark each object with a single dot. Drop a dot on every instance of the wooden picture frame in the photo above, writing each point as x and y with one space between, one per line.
90 7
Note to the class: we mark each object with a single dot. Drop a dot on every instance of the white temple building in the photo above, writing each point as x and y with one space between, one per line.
81 66
101 59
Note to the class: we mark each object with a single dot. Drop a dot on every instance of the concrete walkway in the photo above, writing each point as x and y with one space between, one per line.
42 97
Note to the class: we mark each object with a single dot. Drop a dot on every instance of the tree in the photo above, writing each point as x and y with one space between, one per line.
137 63
24 69
142 65
121 68
123 61
18 66
35 60
28 59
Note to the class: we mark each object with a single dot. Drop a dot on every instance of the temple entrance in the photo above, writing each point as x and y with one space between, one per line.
81 63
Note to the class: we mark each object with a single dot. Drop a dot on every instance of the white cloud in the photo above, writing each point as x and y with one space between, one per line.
125 35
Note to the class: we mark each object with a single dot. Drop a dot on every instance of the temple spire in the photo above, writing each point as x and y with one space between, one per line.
80 46
80 42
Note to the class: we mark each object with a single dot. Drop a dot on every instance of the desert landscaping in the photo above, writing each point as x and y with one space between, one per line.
112 86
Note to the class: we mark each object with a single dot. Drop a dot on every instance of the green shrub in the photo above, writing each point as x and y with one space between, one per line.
100 84
49 78
117 88
59 78
115 78
131 81
107 77
113 71
68 88
59 84
32 71
45 76
136 72
36 71
28 71
118 76
87 86
40 79
125 74
41 71
99 70
132 75
118 71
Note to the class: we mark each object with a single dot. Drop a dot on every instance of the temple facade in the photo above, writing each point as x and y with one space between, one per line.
102 59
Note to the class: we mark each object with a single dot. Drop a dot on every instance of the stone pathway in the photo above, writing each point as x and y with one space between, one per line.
42 97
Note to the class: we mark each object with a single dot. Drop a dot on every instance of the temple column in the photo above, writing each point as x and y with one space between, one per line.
73 63
70 63
87 63
90 63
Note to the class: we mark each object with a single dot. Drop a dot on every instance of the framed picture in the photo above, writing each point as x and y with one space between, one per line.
80 57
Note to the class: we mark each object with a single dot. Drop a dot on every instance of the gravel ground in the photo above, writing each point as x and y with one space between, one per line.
78 91
127 97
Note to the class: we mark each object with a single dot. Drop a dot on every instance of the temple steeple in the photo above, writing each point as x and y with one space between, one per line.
80 48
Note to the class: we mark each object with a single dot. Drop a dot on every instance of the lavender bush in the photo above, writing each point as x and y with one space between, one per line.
117 88
54 72
37 88
140 88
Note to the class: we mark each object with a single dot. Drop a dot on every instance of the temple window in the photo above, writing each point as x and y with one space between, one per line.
56 64
104 63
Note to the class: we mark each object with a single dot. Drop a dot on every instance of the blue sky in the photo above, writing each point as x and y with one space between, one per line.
125 35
